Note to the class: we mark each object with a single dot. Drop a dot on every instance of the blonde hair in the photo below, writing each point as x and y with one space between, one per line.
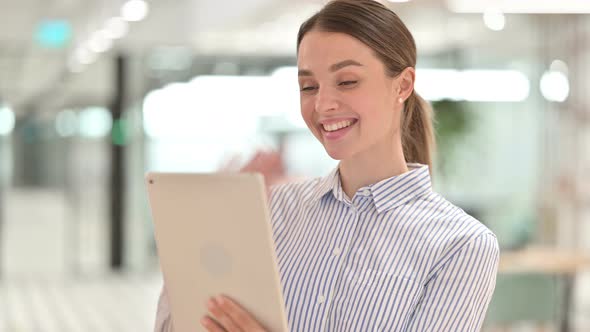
383 31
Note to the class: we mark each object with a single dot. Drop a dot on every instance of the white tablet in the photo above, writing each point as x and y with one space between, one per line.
214 236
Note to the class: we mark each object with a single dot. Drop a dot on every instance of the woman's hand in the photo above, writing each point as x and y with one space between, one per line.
226 315
269 164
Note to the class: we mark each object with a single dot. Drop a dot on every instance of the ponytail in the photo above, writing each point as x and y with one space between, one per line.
418 140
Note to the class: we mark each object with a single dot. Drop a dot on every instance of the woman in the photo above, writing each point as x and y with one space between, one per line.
370 247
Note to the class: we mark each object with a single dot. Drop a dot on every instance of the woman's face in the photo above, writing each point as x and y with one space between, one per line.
347 100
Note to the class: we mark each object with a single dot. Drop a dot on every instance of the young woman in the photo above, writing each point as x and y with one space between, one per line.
369 247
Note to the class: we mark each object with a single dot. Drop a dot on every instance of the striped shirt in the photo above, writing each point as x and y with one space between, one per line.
395 257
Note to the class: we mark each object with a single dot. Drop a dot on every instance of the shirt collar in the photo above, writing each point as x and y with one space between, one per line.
386 194
325 184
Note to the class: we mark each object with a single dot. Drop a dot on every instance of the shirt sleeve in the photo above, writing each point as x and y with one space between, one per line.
163 318
457 296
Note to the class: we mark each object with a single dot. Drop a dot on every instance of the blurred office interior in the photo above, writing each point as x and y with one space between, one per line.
95 93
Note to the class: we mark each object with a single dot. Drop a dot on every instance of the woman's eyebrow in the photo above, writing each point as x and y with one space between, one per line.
342 64
335 67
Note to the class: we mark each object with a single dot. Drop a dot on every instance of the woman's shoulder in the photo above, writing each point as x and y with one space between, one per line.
294 188
453 233
456 227
287 198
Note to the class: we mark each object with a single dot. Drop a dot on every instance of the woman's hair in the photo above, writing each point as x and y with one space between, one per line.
383 31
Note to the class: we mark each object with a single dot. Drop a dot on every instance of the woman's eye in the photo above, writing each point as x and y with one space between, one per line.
308 88
348 83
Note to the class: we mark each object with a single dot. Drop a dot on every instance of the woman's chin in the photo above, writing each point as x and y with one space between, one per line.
337 154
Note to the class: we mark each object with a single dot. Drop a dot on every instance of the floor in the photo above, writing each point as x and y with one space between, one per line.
108 304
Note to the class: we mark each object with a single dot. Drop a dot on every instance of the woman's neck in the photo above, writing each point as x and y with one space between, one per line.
365 169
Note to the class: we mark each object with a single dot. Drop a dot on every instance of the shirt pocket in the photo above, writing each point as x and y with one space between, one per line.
374 300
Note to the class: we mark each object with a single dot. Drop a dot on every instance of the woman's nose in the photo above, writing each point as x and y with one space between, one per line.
326 100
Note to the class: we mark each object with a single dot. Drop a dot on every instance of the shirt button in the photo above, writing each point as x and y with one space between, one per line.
321 299
366 192
337 251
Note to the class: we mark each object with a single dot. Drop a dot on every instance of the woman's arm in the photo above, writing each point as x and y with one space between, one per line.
163 319
457 296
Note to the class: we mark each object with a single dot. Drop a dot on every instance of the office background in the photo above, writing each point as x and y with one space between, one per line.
95 93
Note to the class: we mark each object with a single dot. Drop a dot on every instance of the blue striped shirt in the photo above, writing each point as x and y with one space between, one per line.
395 257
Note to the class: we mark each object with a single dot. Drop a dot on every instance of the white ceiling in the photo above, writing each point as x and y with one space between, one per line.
206 26
26 70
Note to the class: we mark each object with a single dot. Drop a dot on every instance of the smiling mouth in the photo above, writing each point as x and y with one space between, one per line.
338 125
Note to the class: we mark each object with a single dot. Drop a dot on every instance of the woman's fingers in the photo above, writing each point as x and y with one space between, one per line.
239 315
223 318
211 325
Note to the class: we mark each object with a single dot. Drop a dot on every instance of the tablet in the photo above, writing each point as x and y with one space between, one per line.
214 236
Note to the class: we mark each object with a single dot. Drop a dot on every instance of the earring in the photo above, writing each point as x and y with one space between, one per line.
401 100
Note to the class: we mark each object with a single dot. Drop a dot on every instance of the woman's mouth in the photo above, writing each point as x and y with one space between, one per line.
338 125
338 129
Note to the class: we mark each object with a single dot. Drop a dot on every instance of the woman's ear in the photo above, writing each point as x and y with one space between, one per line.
406 84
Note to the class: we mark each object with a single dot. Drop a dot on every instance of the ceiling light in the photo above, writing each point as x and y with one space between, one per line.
6 120
85 56
99 43
477 85
134 10
116 28
494 20
555 86
521 6
95 122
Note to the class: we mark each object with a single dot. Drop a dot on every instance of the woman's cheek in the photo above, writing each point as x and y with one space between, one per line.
306 109
307 115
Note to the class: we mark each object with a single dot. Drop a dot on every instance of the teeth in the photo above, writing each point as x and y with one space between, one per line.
337 125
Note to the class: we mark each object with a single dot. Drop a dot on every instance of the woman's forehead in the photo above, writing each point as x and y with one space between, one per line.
324 49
